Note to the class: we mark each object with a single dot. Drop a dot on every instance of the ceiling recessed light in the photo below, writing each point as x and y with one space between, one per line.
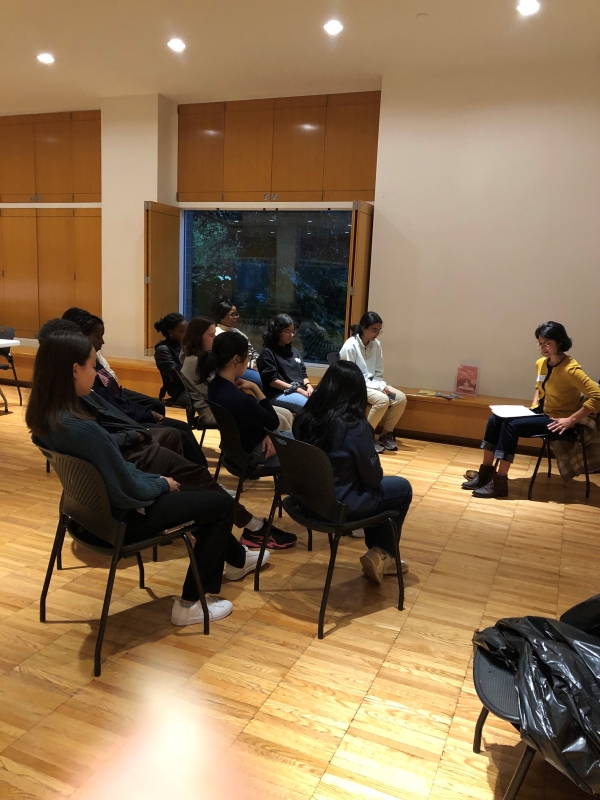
177 45
528 7
333 27
46 58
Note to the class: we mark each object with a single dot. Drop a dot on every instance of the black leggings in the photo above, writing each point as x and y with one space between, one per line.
215 543
191 449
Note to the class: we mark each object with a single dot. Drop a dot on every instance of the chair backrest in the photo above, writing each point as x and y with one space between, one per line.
307 476
85 498
333 357
6 332
231 441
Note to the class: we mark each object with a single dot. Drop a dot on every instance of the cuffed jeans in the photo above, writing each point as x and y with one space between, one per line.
397 496
502 435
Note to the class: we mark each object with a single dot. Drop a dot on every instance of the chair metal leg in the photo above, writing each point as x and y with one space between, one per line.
56 548
155 553
520 773
12 364
334 548
535 471
263 544
105 607
202 437
330 537
549 454
48 466
308 530
199 587
218 469
140 563
585 464
3 396
396 536
479 730
240 487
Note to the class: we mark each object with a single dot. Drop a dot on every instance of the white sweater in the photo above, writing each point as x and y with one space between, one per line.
369 359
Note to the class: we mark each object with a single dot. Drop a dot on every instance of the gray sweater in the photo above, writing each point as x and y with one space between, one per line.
126 485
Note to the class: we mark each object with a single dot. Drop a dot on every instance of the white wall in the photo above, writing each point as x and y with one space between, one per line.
139 163
487 222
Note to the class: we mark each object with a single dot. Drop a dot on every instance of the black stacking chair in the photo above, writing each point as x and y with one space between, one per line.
85 501
9 333
497 691
193 416
575 435
307 479
333 357
235 459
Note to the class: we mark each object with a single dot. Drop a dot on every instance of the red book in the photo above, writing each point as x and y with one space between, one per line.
467 380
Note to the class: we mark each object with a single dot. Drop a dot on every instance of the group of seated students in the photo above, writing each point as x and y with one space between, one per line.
77 407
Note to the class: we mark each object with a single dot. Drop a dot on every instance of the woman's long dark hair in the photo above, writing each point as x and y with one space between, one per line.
274 327
53 388
192 339
225 347
341 396
367 319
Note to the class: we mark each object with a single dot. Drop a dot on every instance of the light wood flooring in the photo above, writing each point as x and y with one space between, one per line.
383 707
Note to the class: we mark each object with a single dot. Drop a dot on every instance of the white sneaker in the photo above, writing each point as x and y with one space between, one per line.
358 534
237 573
390 565
218 608
230 492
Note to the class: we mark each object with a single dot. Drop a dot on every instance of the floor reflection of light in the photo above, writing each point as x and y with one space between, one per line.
175 752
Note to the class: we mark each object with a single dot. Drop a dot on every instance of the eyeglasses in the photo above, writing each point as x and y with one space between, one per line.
376 331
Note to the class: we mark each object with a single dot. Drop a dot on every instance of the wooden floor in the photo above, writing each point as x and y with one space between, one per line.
383 707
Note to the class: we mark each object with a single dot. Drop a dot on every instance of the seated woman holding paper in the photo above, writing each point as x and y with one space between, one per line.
556 407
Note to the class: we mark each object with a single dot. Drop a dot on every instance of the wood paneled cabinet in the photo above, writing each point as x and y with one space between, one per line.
52 158
321 147
50 259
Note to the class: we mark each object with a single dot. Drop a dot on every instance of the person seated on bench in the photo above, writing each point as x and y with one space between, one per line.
386 403
281 366
64 372
556 405
334 421
108 388
248 406
166 355
79 316
199 336
226 317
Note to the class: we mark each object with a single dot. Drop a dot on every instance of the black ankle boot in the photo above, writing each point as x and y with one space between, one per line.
483 477
497 487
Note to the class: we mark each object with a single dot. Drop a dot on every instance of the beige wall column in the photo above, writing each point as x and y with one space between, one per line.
139 163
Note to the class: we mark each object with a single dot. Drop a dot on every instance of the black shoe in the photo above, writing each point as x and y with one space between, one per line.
497 487
278 540
482 478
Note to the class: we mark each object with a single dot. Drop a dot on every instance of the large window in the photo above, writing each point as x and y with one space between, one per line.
270 262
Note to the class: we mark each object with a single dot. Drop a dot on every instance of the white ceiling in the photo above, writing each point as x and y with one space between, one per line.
240 49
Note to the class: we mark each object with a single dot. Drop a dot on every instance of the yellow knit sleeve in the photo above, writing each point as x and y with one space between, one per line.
541 370
589 388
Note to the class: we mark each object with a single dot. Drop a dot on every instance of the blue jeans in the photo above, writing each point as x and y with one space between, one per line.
293 402
502 435
253 376
397 496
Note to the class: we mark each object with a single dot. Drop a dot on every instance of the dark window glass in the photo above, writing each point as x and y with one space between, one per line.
266 262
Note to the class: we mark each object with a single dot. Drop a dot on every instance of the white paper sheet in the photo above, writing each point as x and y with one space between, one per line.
507 412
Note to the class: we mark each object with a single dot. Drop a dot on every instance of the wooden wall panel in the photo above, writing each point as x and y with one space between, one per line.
162 264
17 159
18 242
87 166
87 256
351 146
298 149
56 261
53 157
359 272
248 147
201 144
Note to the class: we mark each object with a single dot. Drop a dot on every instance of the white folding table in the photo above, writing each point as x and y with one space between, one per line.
7 343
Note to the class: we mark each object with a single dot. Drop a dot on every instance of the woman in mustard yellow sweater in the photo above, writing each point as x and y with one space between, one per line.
556 404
